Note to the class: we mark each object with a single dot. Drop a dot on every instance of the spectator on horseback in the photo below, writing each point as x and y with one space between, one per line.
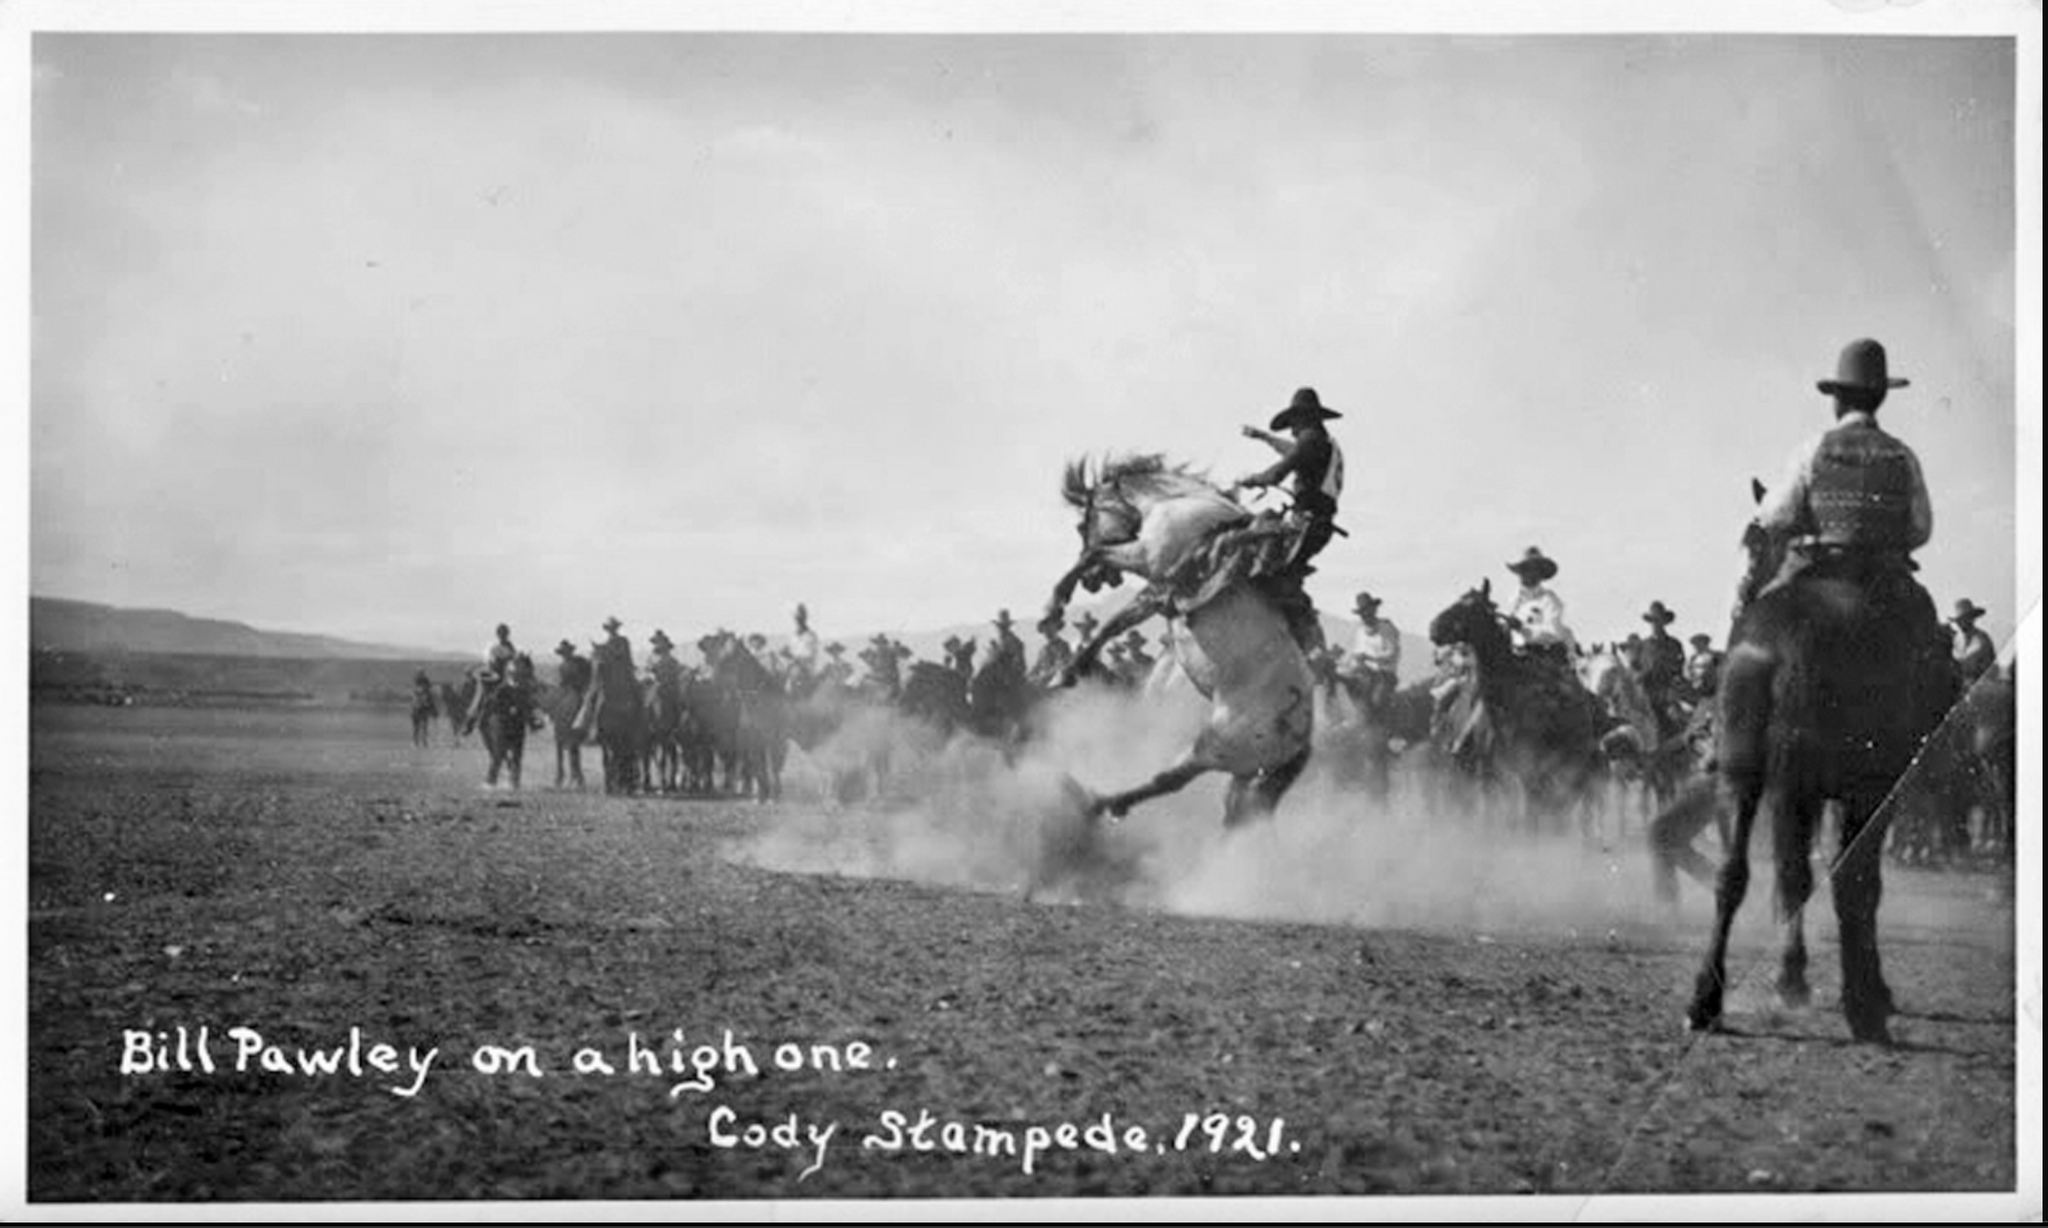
1007 645
837 670
1375 659
663 667
497 666
1537 614
1139 661
1703 667
1054 656
1975 653
1312 468
1661 668
803 644
611 661
1854 501
573 675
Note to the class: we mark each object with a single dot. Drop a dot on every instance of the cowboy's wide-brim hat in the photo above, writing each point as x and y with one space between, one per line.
1003 619
1701 640
565 649
660 640
612 624
1366 601
1861 369
1533 565
1658 615
1967 611
1306 407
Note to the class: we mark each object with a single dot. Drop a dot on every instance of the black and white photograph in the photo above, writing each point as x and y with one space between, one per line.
998 611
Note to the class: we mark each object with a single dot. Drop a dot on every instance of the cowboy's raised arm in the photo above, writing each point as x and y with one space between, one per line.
1279 443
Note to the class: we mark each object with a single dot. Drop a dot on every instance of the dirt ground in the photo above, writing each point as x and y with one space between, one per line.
313 880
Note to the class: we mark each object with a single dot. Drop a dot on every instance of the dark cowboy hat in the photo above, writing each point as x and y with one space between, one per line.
1366 601
1004 620
1861 369
1051 623
1307 407
612 623
1135 637
660 639
1534 565
1967 612
835 649
1086 624
1701 639
1659 615
565 649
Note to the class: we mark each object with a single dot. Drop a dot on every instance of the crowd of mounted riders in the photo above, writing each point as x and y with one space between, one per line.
1852 502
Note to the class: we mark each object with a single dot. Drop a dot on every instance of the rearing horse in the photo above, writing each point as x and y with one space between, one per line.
1143 516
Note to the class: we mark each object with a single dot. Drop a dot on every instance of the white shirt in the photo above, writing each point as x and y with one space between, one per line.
1541 614
803 647
1378 647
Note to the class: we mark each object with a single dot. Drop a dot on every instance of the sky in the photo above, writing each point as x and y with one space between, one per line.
398 336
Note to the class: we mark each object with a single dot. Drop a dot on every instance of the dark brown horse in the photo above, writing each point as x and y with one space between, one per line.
1517 717
455 705
1832 684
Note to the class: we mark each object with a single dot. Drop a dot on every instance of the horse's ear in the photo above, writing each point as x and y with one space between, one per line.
1486 588
1756 490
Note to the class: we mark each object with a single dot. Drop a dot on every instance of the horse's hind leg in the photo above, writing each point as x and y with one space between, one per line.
1710 986
1792 827
1172 780
1259 796
1857 886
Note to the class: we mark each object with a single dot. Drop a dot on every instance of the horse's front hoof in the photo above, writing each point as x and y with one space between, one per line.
1795 995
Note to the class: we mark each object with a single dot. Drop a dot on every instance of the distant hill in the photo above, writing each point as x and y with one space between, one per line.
58 625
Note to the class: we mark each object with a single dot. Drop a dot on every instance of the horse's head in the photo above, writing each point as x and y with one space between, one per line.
1765 550
1108 517
1472 619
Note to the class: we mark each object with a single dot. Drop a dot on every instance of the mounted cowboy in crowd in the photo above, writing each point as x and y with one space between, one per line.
1374 664
498 659
1054 655
1975 653
1660 666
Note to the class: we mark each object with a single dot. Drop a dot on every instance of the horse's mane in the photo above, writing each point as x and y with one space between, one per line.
1144 473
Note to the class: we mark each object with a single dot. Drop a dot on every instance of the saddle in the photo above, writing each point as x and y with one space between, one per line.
1265 550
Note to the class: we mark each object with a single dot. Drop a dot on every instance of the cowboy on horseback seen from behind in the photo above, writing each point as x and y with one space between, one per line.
1375 659
1975 653
1853 502
497 667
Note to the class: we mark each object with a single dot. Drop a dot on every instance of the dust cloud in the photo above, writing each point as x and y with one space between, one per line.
960 815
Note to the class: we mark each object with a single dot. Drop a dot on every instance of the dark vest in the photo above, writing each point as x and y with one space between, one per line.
1861 491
